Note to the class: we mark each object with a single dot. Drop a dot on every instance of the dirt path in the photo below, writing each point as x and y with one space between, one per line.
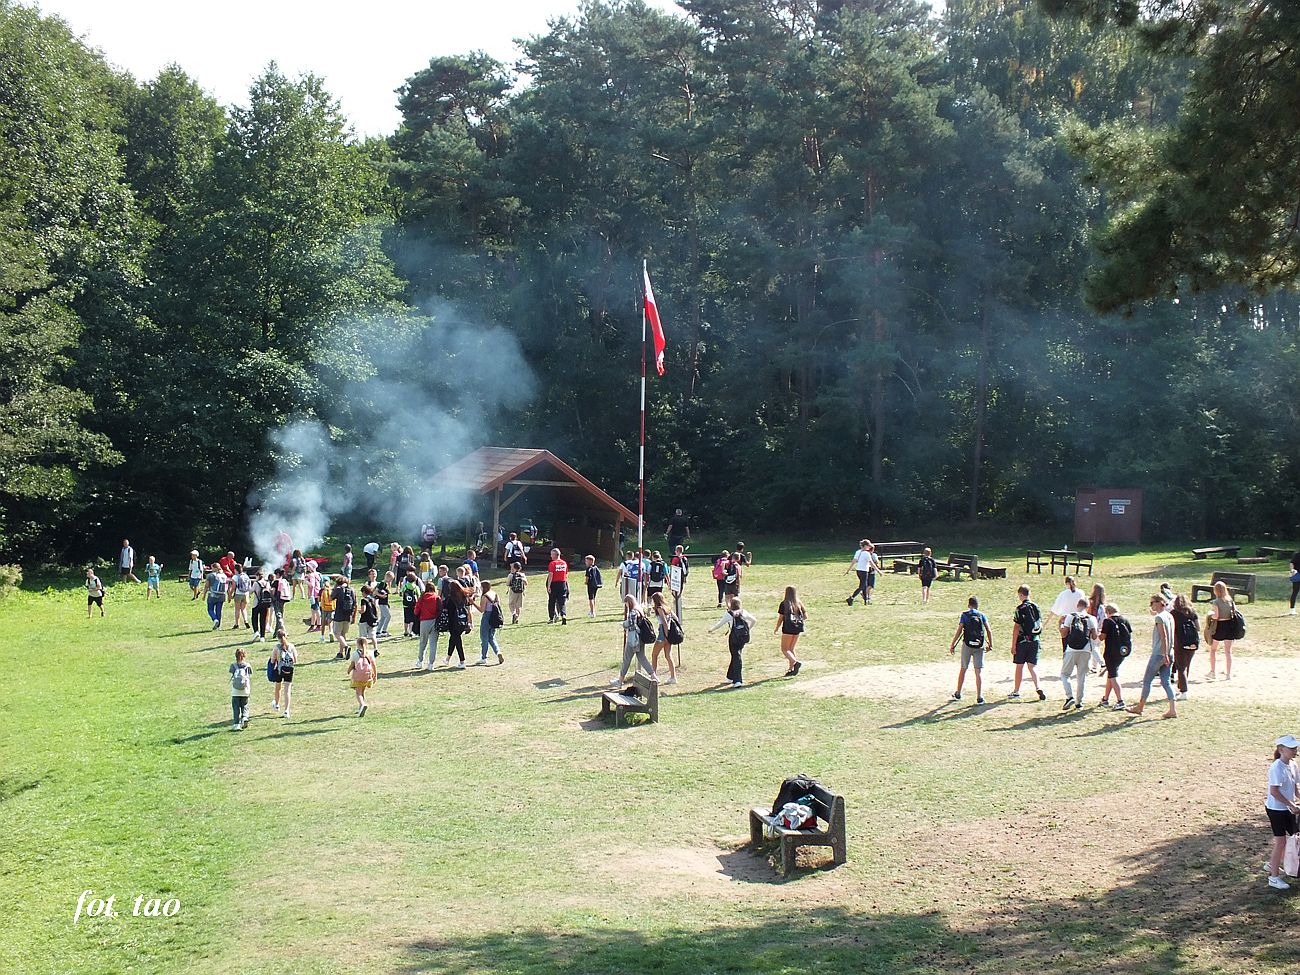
1254 680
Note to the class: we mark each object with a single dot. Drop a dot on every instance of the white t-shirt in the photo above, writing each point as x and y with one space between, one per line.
863 560
372 548
1283 775
1067 602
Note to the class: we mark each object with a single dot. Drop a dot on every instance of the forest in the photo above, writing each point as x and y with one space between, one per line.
915 269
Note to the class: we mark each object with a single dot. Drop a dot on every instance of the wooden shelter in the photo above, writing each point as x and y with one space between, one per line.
576 516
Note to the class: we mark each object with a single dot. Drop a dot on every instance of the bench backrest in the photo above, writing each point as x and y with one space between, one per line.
649 688
825 805
1083 556
1237 580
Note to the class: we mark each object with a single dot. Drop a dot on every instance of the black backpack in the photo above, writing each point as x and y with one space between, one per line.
496 618
739 630
442 622
344 602
1077 636
645 630
1187 634
462 619
1030 620
1124 630
972 629
658 572
673 631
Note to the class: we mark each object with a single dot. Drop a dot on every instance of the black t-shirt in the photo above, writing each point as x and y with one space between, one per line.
677 526
1025 617
381 593
1115 635
369 610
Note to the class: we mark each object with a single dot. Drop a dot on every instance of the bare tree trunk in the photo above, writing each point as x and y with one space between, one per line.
981 409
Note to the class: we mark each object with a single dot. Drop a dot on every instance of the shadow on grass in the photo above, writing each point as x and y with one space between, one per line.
1189 907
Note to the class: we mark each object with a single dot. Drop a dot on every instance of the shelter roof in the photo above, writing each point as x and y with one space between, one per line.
489 468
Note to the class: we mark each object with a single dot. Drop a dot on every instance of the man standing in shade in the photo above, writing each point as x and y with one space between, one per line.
126 561
678 531
557 588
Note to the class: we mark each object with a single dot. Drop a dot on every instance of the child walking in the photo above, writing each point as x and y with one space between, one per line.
361 669
152 578
241 684
516 583
94 592
738 624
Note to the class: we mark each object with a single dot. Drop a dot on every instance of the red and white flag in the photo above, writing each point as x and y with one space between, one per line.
652 313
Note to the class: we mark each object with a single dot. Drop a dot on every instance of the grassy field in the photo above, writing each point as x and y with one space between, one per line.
484 821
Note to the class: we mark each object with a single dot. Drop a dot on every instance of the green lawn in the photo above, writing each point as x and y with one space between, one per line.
483 821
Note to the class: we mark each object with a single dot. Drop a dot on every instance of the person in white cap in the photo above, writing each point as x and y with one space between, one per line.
1281 805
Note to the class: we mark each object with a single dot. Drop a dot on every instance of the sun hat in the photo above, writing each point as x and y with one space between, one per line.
1287 741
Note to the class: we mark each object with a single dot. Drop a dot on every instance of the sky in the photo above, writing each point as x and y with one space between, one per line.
363 54
364 51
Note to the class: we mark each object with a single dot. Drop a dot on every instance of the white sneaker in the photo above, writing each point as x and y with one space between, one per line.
481 663
235 726
1277 883
671 680
1180 696
419 665
1291 612
736 683
286 712
614 682
275 705
460 665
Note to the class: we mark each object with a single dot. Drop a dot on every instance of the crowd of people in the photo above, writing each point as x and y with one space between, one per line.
1096 637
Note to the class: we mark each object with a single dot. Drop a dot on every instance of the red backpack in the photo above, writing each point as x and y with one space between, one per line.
720 569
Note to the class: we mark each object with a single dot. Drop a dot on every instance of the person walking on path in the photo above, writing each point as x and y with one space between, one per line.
1026 627
557 588
214 588
628 576
1225 627
516 584
1295 580
1162 645
1117 637
791 617
490 619
383 594
863 563
1078 634
262 588
241 686
1065 604
196 575
660 609
731 580
94 592
282 595
126 562
1097 610
720 574
678 569
284 658
514 550
1187 638
927 570
362 672
635 625
424 613
591 572
152 578
241 585
459 622
368 615
1282 804
974 633
739 625
656 575
345 614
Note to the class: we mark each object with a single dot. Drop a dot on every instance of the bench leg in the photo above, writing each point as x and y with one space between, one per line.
755 831
787 854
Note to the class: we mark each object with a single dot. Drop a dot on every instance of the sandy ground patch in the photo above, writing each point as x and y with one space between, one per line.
1254 681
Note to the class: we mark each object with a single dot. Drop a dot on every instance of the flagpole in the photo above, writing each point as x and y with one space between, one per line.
640 511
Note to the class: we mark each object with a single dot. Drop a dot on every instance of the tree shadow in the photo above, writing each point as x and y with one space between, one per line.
1189 907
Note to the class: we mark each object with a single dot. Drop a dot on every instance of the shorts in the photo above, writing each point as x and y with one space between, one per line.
972 657
1113 660
315 605
591 591
341 627
1026 652
124 571
241 598
152 584
926 582
284 675
366 631
326 617
360 685
651 590
196 581
871 579
1283 821
96 600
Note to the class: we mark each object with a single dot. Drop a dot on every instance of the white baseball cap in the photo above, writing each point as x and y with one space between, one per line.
1288 741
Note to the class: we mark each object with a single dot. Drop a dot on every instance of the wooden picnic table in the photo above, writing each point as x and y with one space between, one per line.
893 548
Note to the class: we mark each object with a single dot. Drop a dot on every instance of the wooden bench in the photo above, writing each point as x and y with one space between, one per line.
1254 560
1227 551
958 563
1081 561
1272 551
620 703
1238 583
1034 559
992 571
829 810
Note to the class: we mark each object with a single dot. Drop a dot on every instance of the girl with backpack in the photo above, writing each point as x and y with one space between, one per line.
660 610
460 620
196 575
1117 639
368 615
516 583
636 629
731 578
362 672
738 624
490 620
790 618
720 573
241 684
283 660
261 605
1187 638
1224 626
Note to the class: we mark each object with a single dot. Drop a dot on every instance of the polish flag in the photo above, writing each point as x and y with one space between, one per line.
652 313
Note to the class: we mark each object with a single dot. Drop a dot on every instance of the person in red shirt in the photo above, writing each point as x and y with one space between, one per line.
427 608
227 563
557 588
